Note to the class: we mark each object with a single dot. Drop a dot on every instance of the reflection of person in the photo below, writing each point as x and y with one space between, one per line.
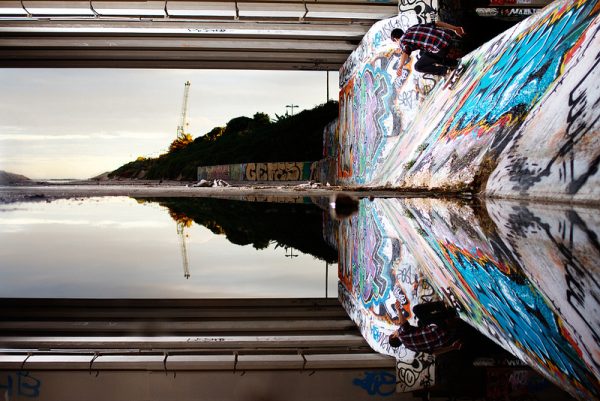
436 333
434 42
343 206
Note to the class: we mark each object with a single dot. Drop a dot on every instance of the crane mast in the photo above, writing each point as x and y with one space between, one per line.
183 122
181 225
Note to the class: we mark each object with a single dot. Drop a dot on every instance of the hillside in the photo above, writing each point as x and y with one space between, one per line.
243 139
7 178
257 223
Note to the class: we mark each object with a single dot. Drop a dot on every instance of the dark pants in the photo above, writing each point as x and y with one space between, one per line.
433 312
435 63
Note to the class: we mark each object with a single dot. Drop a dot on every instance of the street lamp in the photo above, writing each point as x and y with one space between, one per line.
291 255
292 106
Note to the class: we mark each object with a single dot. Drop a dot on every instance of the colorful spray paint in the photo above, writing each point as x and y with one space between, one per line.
517 120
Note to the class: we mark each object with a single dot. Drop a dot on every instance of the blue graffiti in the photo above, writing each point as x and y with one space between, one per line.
521 75
519 310
22 383
380 383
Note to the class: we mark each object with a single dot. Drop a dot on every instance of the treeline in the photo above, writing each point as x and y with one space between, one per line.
296 225
242 140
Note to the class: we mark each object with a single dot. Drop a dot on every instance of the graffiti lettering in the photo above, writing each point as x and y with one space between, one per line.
21 383
377 383
274 171
282 171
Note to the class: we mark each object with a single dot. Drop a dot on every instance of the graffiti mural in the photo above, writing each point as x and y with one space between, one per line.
526 277
567 160
568 265
281 171
375 269
536 83
467 127
377 102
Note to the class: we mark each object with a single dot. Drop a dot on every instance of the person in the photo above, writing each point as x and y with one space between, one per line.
343 206
434 42
435 334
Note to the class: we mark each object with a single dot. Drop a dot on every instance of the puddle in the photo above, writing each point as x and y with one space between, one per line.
525 276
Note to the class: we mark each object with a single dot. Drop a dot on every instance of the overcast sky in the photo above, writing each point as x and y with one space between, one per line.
78 123
118 247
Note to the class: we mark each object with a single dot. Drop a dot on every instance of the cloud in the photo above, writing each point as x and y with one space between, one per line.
87 121
68 137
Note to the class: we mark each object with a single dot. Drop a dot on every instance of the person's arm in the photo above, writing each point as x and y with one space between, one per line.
405 327
457 29
403 60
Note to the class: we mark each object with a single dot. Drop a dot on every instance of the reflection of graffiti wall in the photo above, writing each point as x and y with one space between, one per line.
280 171
526 277
525 102
375 269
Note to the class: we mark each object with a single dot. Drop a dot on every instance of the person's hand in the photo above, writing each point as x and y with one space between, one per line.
459 31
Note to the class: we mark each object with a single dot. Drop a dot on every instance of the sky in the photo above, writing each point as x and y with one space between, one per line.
119 247
79 123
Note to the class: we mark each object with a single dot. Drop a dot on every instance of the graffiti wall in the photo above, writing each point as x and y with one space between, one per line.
375 269
565 163
521 110
525 276
280 171
377 102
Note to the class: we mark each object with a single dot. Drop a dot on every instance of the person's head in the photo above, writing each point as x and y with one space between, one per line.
396 34
394 340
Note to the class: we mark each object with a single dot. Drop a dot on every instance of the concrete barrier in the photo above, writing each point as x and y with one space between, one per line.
521 120
375 269
277 171
524 275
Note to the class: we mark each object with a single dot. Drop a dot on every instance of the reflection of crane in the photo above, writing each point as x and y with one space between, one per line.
182 127
291 255
183 222
181 225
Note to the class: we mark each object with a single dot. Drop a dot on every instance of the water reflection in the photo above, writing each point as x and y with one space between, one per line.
125 248
288 223
524 275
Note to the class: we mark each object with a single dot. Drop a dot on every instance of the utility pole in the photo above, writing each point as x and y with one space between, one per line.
327 86
291 255
326 278
292 106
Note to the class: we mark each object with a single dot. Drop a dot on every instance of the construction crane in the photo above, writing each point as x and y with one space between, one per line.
181 225
182 222
182 127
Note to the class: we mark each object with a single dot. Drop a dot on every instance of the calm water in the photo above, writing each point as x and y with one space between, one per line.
526 276
126 248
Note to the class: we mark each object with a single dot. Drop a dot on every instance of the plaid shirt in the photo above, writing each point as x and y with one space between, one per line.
425 339
424 37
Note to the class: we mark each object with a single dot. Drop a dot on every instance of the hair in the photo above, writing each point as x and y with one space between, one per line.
395 342
397 33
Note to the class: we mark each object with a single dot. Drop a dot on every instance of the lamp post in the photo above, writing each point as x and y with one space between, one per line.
291 255
292 106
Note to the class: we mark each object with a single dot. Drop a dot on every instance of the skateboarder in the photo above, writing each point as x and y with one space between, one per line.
434 42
